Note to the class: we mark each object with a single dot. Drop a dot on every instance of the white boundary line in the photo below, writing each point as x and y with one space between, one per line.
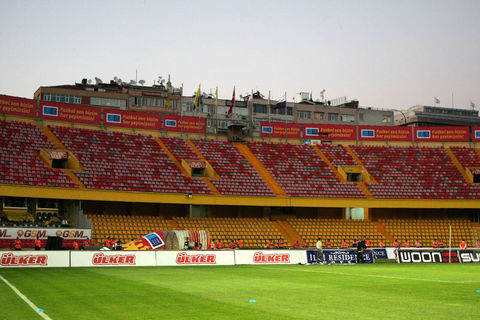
375 276
30 303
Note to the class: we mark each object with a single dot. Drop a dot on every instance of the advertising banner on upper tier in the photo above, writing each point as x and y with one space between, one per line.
112 258
69 112
16 106
441 134
34 259
270 257
190 124
280 130
196 258
476 134
329 132
427 256
44 233
380 133
132 119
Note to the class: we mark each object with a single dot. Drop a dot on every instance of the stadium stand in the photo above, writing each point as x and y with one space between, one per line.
19 160
427 230
125 228
414 173
337 154
335 230
301 172
237 175
468 157
125 162
254 232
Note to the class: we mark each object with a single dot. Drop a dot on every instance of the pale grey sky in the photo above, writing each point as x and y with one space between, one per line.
387 54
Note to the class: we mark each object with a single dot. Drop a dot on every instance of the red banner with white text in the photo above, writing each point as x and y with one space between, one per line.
441 134
70 112
280 130
18 106
132 119
383 133
329 132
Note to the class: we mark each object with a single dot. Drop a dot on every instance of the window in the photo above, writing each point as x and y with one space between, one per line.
153 102
304 114
188 107
108 102
211 123
64 98
360 117
222 124
386 118
282 111
15 202
318 115
348 118
333 117
259 108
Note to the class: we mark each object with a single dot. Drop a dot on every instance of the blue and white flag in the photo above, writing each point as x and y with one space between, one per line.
437 101
472 104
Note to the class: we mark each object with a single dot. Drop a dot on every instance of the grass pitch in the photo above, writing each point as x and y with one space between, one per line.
382 291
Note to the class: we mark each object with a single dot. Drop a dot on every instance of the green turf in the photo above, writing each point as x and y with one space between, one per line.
384 291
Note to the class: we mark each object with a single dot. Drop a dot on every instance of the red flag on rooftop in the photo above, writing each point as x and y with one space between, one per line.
233 102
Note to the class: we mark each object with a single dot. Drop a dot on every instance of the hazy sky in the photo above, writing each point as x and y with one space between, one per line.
386 54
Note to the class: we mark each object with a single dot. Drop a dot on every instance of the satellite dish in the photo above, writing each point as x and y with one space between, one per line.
89 81
132 82
119 81
115 78
142 82
98 80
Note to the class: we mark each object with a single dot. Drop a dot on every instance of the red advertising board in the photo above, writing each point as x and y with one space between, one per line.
18 106
440 134
190 124
132 119
329 132
476 134
381 133
69 112
280 129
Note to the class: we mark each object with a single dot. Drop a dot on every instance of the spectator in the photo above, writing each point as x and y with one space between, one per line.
270 244
17 244
396 244
329 244
64 223
305 243
281 244
220 244
368 243
434 243
75 245
463 244
240 244
381 244
417 244
406 244
361 246
296 244
212 245
232 244
38 243
344 244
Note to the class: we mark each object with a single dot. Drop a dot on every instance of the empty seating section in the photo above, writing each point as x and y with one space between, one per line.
179 148
125 162
124 228
19 163
337 154
237 175
301 172
336 230
428 230
467 157
414 173
254 232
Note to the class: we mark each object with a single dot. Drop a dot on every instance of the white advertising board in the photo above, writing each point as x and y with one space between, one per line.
112 258
44 233
270 257
196 258
9 259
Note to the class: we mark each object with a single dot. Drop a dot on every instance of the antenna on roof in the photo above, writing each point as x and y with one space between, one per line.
142 82
98 80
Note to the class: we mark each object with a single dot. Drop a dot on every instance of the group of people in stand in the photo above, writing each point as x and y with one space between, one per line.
435 244
77 244
281 244
219 245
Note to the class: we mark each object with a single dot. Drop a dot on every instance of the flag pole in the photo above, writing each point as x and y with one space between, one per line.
269 125
216 113
286 125
450 246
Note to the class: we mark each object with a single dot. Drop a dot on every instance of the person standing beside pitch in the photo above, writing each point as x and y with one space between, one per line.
361 245
319 251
